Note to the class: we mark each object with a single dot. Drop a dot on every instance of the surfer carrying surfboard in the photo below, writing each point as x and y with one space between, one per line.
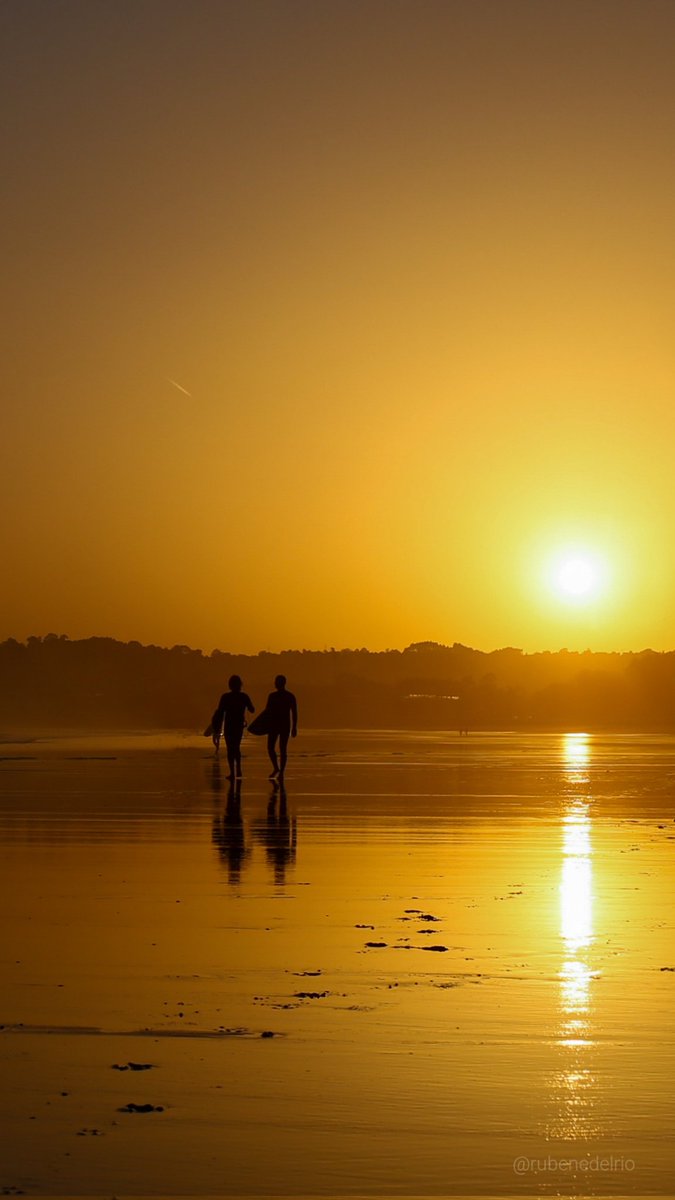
232 711
282 714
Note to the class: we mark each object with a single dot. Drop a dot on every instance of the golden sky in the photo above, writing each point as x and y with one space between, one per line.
338 322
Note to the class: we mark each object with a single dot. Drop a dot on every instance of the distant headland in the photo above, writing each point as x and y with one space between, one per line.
52 682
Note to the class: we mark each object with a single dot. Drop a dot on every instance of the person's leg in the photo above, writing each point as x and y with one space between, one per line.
271 750
237 757
231 744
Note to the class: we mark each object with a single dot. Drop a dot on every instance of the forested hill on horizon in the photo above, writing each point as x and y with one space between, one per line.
54 683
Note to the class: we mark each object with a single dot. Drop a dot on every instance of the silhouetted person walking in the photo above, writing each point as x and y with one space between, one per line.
232 711
282 710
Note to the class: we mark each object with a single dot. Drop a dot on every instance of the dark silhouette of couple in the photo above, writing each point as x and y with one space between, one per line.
281 712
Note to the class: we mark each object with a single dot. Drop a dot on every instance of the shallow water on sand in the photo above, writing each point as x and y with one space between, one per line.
435 965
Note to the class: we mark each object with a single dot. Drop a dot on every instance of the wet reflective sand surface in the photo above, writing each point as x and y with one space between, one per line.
432 966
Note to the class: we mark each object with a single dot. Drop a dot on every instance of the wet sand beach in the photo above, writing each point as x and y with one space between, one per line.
435 966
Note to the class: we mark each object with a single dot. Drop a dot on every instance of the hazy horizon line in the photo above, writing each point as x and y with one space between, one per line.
415 646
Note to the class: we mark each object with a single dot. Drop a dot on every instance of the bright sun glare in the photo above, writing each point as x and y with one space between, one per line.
577 576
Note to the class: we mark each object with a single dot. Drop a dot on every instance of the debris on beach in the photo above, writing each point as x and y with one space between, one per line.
313 973
376 945
141 1108
310 995
364 926
418 915
89 1133
132 1066
439 949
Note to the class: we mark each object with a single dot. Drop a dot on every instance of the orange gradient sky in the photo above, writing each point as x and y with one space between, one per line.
412 267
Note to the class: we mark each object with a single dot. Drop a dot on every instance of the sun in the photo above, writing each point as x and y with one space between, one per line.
577 576
578 579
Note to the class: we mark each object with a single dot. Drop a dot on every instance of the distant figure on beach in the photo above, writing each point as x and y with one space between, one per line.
232 710
282 711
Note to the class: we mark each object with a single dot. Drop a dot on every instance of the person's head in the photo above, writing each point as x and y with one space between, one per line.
280 682
234 683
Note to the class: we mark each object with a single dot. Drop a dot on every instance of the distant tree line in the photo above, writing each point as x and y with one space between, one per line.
98 683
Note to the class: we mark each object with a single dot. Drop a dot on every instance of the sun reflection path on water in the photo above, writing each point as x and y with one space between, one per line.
574 1084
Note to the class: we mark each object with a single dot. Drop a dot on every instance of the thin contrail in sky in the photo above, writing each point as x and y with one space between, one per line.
179 386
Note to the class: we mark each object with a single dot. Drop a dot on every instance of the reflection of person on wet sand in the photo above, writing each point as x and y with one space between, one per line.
278 834
216 779
282 711
232 711
228 834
